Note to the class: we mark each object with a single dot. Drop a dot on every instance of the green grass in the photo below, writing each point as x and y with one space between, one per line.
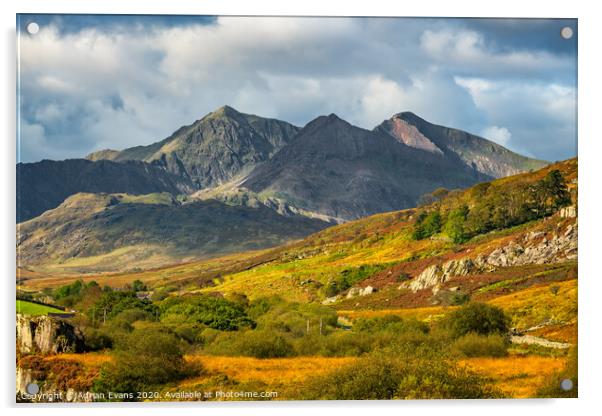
162 198
30 308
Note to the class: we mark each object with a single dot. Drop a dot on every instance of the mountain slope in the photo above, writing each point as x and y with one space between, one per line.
102 232
214 149
347 172
44 185
380 251
483 155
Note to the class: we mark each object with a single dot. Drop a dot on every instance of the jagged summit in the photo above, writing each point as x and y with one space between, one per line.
215 149
476 152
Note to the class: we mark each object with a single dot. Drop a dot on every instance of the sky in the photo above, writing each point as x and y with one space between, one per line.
92 82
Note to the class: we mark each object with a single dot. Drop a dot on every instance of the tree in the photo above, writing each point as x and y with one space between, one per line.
138 286
432 224
426 225
557 192
479 318
454 226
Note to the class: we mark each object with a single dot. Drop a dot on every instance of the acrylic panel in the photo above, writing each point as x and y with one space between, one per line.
295 208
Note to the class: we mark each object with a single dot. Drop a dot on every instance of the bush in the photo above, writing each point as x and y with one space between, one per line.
144 359
95 339
473 345
338 344
112 304
290 318
251 343
211 311
389 323
399 374
264 344
479 318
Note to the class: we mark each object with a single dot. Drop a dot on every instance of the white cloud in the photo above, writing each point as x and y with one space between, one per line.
499 135
543 116
94 89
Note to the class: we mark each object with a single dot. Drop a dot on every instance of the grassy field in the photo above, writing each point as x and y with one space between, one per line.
30 308
515 376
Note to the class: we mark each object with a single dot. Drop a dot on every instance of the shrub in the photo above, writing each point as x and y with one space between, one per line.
390 323
479 318
251 343
459 298
473 345
95 339
263 344
112 304
212 311
338 344
291 319
400 374
144 359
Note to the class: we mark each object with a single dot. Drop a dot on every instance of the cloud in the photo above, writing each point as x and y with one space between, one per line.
542 116
500 135
102 85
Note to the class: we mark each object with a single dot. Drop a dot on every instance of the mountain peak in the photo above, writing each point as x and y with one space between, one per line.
226 111
483 155
408 116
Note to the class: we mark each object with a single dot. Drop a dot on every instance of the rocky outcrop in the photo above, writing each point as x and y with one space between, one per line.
568 212
535 248
47 335
435 275
358 291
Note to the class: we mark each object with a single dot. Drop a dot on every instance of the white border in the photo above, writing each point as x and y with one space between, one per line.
589 201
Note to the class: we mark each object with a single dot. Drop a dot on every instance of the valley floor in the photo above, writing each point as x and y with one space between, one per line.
516 376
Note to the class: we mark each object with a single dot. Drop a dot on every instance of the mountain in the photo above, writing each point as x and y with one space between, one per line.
44 185
215 149
108 232
481 154
347 172
505 250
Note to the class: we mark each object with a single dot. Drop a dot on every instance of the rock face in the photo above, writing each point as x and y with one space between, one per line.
47 335
434 276
535 250
475 152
